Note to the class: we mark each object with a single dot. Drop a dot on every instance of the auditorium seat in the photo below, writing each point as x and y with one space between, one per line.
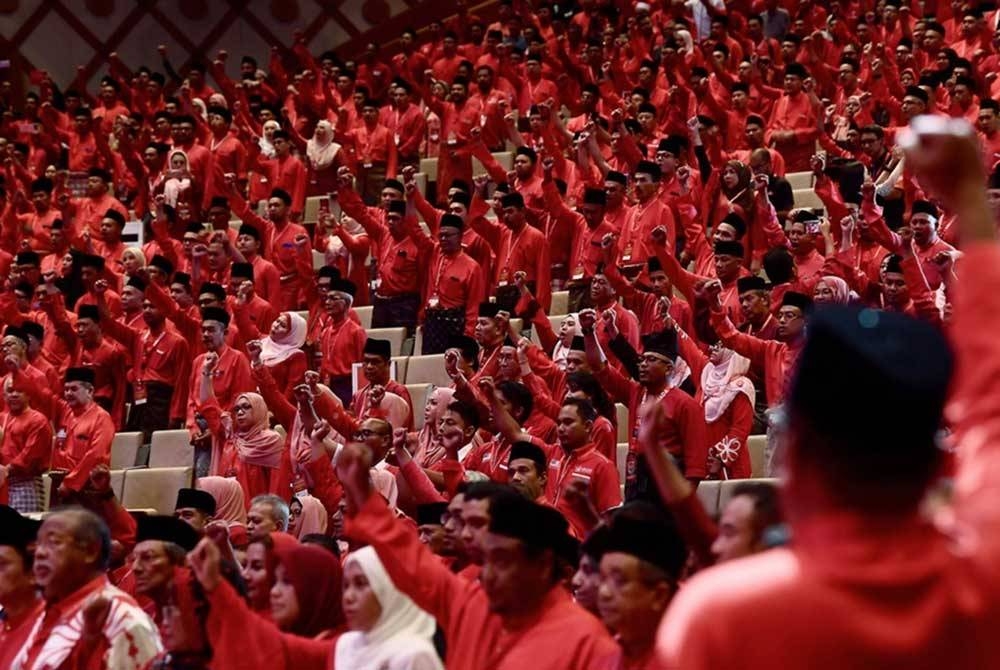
46 491
806 198
155 488
429 166
622 412
427 370
125 449
560 302
171 449
394 335
800 180
365 316
708 494
311 211
555 320
756 444
319 260
621 460
727 488
418 394
118 483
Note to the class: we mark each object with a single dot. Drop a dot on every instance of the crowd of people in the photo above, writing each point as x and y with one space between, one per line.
650 148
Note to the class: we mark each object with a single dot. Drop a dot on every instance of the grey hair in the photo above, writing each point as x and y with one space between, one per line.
279 508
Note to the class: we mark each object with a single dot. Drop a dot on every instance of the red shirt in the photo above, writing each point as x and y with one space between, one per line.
342 345
27 443
83 441
584 464
230 379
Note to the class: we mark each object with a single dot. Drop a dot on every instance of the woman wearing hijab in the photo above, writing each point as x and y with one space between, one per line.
259 570
428 450
323 159
281 351
388 631
728 397
307 516
243 446
229 501
306 595
831 290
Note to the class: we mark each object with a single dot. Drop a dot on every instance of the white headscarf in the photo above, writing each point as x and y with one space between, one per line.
559 351
322 152
266 148
401 636
720 384
272 353
173 187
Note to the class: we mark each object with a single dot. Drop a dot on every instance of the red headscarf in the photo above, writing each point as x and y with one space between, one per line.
316 576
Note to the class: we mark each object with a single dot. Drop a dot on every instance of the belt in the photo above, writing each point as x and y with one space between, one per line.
398 296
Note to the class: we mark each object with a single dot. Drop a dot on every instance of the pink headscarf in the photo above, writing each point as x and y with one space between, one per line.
720 384
314 517
841 291
228 494
273 352
258 445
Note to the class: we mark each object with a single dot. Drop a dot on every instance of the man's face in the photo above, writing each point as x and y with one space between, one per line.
576 361
182 133
660 283
15 400
487 332
586 583
77 394
798 237
453 523
737 535
335 304
453 432
400 97
847 75
726 266
793 84
600 290
388 195
370 114
62 562
261 521
484 79
508 572
923 229
450 239
216 256
15 578
894 289
986 122
213 335
110 231
592 213
739 99
476 523
755 306
376 368
41 200
152 567
193 517
88 331
431 534
524 477
933 41
458 93
791 321
507 364
625 600
571 428
653 369
912 106
247 244
523 167
871 145
374 435
96 187
615 193
969 27
755 135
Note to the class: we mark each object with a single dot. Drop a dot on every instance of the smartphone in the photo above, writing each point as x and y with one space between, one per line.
812 227
334 206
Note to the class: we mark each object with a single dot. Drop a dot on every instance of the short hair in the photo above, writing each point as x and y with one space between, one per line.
468 413
779 265
488 490
873 129
321 540
91 529
583 407
518 394
279 508
766 510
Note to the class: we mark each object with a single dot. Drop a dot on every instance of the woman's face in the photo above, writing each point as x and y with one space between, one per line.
67 265
243 414
177 162
280 327
255 573
361 608
131 263
566 330
730 178
294 516
716 353
284 602
321 132
432 410
823 293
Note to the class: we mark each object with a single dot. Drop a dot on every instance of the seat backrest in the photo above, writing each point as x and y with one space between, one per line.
155 488
394 335
118 483
171 449
708 494
560 302
757 445
621 461
418 394
622 413
427 370
125 449
365 315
